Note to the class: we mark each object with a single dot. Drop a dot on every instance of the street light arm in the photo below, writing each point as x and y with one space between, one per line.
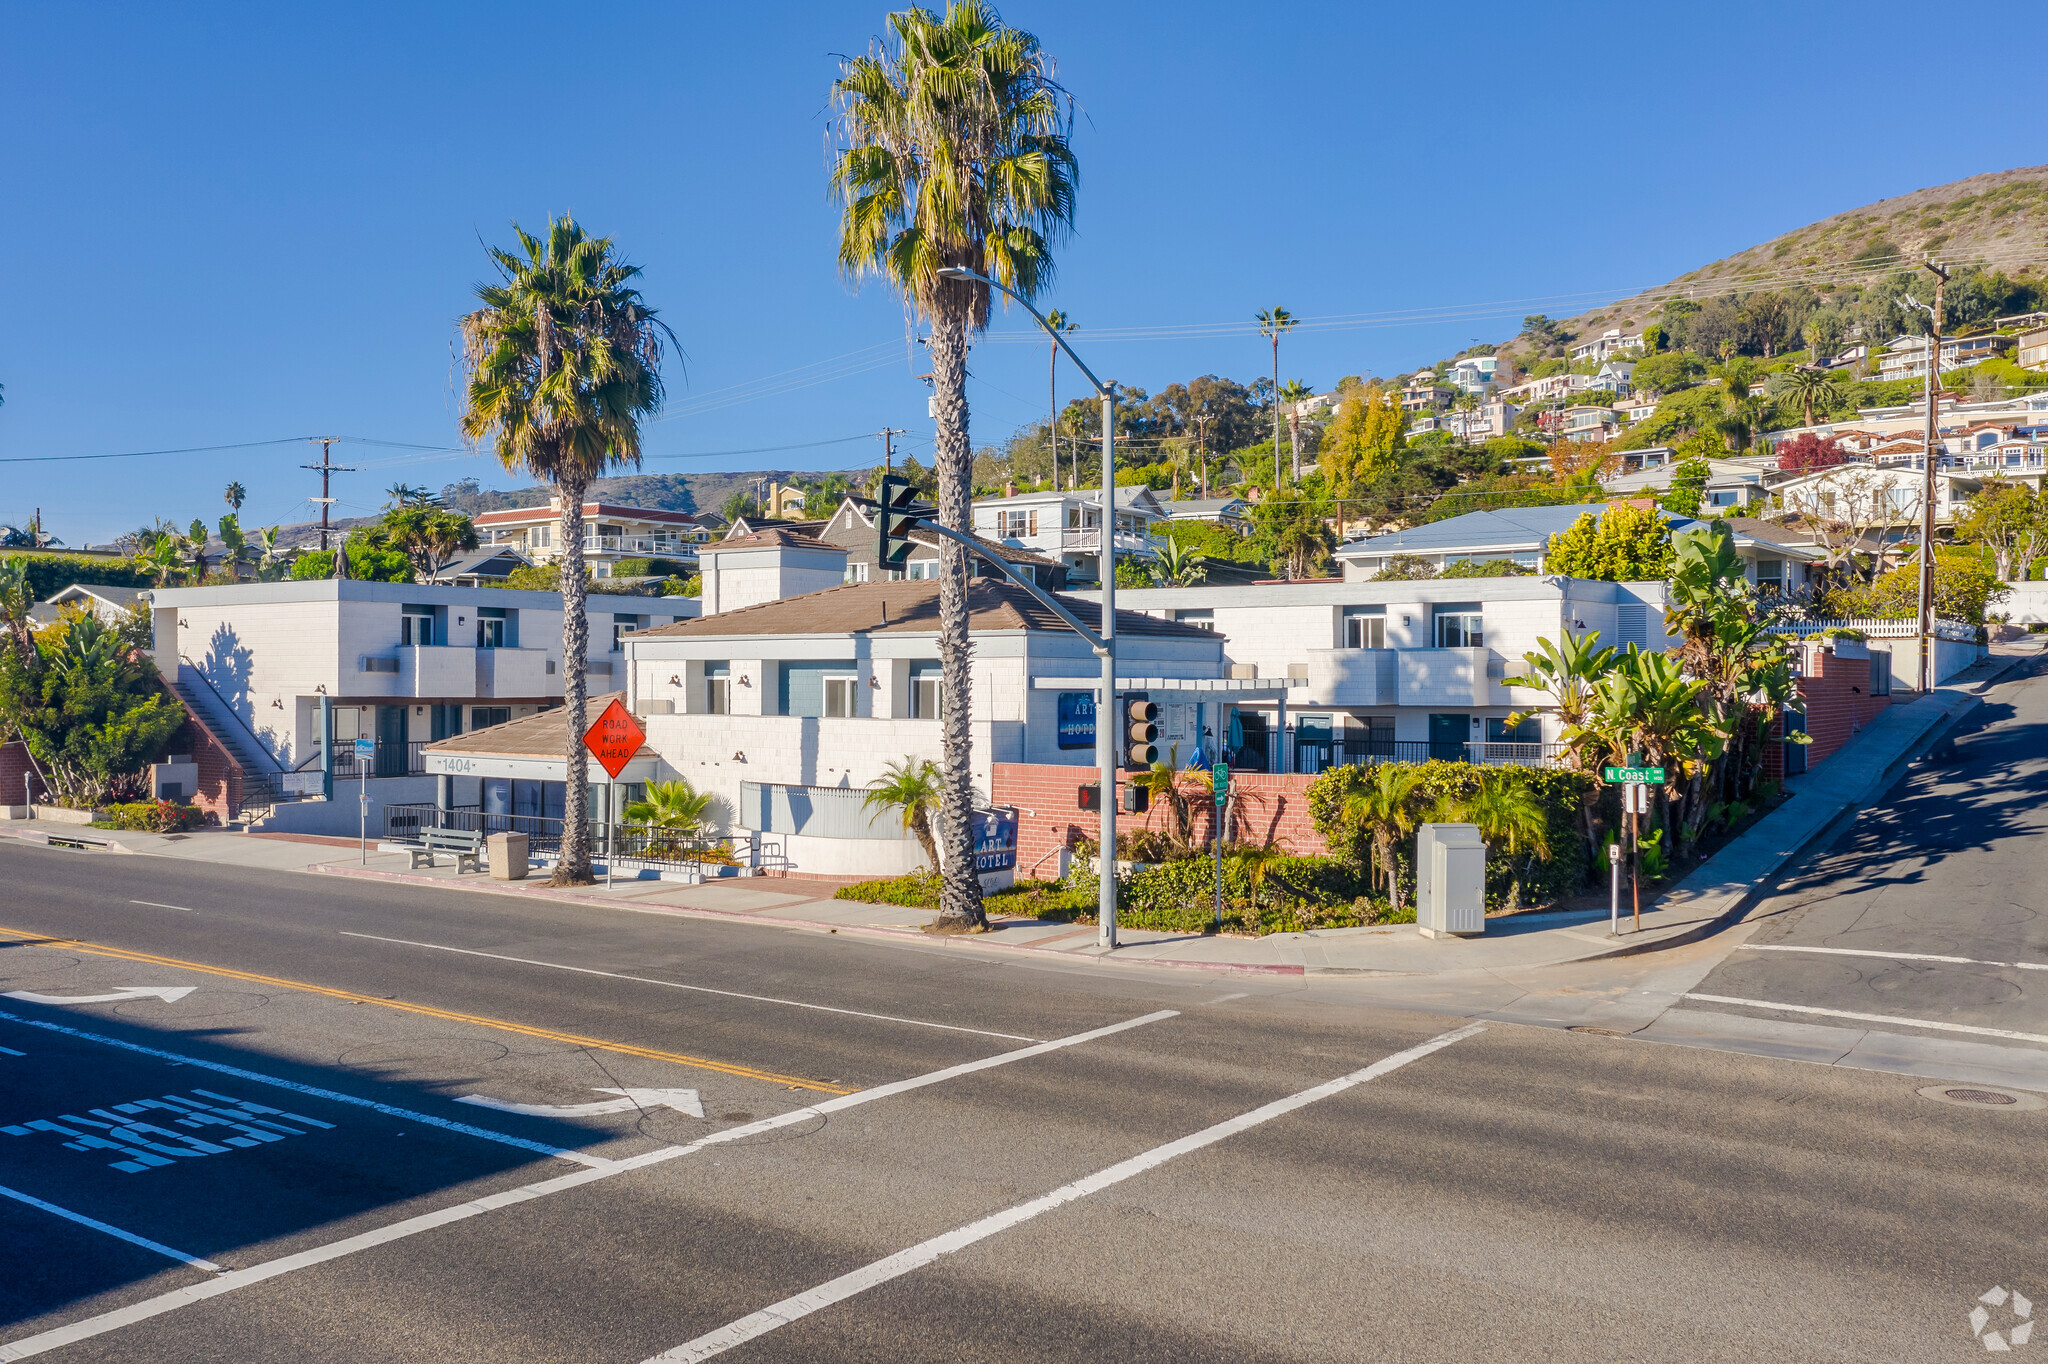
1044 598
958 272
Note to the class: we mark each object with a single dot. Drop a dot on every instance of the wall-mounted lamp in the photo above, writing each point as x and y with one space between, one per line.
184 625
675 680
739 757
1578 625
320 689
277 703
746 681
1404 620
875 682
419 710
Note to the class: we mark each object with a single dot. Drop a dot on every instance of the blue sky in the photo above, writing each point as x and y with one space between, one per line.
236 224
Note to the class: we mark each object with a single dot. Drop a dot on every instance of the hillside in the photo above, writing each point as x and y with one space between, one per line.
2001 215
664 492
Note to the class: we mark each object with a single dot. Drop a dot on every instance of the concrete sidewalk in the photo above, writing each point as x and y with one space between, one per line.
1714 896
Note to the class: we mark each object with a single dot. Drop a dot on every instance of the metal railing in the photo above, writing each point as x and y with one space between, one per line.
407 759
636 845
1088 540
1311 756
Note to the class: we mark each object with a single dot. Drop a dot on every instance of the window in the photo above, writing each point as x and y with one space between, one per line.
839 697
1365 627
490 627
923 568
1530 731
540 537
1204 619
856 573
718 688
483 717
415 626
1017 523
927 697
622 624
1458 626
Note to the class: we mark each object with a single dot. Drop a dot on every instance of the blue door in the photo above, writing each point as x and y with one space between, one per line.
1795 753
1448 735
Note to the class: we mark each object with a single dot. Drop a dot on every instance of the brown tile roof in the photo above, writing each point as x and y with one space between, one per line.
911 606
787 537
542 735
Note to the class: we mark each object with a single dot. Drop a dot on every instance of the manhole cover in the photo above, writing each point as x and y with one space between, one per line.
1983 1096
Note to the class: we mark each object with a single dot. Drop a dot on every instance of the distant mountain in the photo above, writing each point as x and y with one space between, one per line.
2001 215
663 492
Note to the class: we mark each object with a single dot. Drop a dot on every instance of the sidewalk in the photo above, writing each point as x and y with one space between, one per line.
1714 896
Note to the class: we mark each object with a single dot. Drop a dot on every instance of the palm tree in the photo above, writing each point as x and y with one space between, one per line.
1508 816
1383 809
564 362
953 153
917 791
1059 322
1294 394
672 805
17 599
234 495
1272 322
1569 672
1807 385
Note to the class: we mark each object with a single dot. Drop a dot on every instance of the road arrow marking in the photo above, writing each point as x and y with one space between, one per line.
681 1100
169 994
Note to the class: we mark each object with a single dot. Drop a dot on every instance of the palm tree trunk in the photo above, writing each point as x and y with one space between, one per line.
1052 393
960 896
573 867
1294 442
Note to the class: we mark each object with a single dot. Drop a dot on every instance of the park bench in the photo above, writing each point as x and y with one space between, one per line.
466 844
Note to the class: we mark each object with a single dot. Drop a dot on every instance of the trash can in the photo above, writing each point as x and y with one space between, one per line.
1450 881
507 855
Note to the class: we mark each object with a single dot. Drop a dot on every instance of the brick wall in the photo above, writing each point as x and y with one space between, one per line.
1267 807
220 776
1835 691
13 763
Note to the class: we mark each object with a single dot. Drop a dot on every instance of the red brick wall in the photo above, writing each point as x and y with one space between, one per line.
13 763
1836 694
1048 797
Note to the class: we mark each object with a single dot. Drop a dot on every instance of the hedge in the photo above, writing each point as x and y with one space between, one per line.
49 574
153 816
649 568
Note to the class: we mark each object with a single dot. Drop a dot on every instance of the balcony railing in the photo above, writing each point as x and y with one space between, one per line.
625 844
390 760
1314 756
1088 540
637 544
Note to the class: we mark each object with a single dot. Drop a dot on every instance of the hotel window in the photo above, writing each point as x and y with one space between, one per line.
718 688
415 625
1365 627
483 717
839 697
1458 626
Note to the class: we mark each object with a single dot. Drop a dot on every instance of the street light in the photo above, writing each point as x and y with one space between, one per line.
1105 703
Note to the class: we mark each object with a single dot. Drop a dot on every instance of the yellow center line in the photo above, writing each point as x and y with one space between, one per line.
25 939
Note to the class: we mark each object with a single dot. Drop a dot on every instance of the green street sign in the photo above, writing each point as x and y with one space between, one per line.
1220 778
1616 776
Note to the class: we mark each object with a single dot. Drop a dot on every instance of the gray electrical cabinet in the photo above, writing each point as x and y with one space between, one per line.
1450 881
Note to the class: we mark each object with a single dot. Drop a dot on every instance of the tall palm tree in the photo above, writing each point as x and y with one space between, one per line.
1294 394
1059 322
235 495
953 153
564 362
916 791
1272 322
1806 385
17 600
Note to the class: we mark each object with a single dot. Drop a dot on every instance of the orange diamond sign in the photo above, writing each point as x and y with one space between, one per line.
614 738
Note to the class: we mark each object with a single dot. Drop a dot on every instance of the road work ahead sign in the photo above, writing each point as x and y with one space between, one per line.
614 738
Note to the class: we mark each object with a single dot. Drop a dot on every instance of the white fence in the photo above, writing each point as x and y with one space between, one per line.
1954 630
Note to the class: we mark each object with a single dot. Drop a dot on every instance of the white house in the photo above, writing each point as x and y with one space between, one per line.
1474 372
1606 346
788 709
269 666
1067 526
1615 377
611 532
1906 356
1882 496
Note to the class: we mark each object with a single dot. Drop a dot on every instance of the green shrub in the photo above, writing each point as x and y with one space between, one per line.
648 568
920 890
154 816
49 574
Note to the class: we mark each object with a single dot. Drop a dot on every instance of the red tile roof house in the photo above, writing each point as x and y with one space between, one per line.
611 533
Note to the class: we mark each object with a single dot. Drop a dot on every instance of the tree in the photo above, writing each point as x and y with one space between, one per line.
1809 386
1807 453
1508 815
916 791
235 495
401 494
1625 545
429 538
87 703
1824 331
1688 487
234 545
2010 520
1177 567
1667 372
1571 459
1382 810
1400 568
1294 393
1272 322
272 560
1964 589
17 601
672 805
1569 671
1059 322
1846 508
953 152
1288 530
564 362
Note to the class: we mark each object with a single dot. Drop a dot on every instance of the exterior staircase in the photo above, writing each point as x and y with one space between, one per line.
262 774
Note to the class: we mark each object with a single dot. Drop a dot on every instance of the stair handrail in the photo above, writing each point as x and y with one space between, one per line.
262 749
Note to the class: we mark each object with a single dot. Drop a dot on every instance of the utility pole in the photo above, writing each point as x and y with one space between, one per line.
326 468
888 435
1927 488
1202 434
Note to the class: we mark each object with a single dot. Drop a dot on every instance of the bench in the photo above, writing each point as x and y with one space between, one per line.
466 844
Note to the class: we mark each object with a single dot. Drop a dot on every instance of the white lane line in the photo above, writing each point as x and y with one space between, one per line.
154 905
904 1261
1873 1018
1893 956
538 1148
1225 999
413 1226
130 1237
9 1051
699 989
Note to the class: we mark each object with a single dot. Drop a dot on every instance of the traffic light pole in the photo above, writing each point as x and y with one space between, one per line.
1105 645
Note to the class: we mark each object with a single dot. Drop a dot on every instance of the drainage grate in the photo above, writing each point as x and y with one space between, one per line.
1978 1096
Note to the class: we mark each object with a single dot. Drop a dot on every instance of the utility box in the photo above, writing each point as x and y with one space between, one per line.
507 855
1450 881
175 778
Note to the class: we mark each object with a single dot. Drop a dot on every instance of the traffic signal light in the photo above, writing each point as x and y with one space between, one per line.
1140 729
896 512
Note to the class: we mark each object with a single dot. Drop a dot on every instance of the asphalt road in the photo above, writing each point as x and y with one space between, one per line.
1926 917
906 1153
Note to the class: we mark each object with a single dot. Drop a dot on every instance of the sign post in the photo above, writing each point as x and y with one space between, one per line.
613 738
366 753
1635 782
1614 889
1219 780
